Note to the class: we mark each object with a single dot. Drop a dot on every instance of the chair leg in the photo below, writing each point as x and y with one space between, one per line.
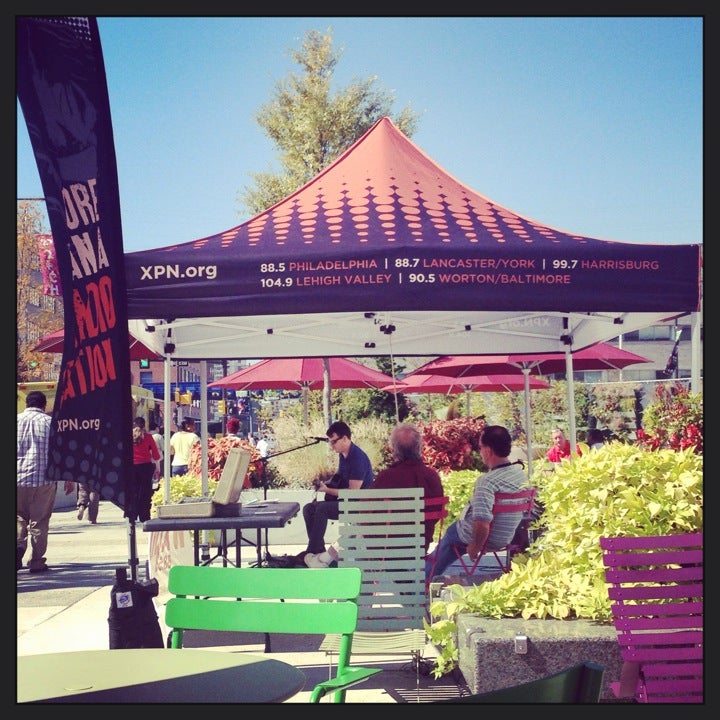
462 562
416 661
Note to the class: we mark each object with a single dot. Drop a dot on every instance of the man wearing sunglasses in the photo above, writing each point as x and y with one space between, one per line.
354 472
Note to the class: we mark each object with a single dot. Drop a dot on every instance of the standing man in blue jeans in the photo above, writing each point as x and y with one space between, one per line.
354 472
476 529
35 497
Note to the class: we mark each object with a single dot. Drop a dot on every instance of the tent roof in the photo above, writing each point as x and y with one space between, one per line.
384 251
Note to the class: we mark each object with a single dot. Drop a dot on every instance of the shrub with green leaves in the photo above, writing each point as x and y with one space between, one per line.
617 490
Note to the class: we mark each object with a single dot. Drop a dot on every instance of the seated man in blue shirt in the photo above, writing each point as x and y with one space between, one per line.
354 472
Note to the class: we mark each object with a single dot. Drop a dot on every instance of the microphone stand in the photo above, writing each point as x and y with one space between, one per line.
314 441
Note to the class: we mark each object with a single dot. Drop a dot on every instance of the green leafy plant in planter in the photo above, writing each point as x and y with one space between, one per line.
617 490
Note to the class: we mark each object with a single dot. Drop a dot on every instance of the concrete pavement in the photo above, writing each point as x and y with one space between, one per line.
67 608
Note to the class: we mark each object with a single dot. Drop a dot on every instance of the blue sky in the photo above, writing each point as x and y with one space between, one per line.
589 124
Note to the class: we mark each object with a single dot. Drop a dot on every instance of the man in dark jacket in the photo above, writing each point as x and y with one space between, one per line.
408 470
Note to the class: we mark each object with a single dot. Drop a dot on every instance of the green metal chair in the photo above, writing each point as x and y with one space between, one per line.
322 601
579 683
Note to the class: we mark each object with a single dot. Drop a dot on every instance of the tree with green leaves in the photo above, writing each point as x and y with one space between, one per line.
311 124
37 314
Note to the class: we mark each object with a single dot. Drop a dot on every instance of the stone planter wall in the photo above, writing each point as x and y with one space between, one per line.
488 658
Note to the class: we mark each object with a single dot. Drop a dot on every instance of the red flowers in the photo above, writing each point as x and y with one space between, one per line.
674 420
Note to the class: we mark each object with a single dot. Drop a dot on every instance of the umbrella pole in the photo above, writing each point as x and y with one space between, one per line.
528 429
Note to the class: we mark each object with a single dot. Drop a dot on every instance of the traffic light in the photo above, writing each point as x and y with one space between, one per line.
222 407
144 364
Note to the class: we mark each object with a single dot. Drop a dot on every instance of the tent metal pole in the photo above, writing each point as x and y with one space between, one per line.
205 483
132 548
327 388
695 384
167 416
204 464
570 399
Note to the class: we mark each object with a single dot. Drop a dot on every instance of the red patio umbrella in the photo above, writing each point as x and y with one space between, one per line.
54 342
304 374
414 383
601 356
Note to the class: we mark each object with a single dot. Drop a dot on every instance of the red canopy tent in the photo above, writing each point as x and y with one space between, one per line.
304 374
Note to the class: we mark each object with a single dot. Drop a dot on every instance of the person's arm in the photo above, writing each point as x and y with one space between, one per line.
358 467
155 455
481 530
154 452
352 485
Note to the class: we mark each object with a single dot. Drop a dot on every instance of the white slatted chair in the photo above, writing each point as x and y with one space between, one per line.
382 532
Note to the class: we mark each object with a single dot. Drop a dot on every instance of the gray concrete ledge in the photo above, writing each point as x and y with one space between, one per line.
488 659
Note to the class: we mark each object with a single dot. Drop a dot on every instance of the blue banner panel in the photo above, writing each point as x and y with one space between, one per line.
63 94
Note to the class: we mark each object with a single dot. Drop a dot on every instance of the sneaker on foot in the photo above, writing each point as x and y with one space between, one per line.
38 568
81 511
313 560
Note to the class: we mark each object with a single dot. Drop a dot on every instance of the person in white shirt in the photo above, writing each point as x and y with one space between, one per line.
180 444
263 446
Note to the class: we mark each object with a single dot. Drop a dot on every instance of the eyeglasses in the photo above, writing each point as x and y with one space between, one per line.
334 440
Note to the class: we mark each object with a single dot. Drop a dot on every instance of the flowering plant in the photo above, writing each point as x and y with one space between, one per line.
673 420
451 444
218 450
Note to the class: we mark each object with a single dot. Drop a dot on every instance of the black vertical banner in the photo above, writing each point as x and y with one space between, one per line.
62 90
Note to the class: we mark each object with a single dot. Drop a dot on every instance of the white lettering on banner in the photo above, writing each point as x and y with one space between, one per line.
176 272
